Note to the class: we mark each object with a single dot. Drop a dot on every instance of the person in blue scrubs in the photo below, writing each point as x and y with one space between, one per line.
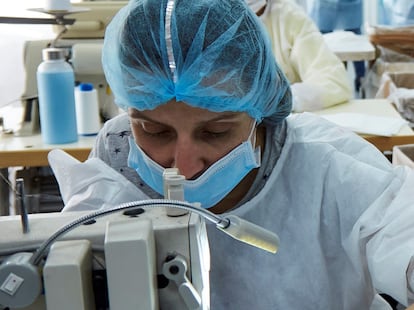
330 15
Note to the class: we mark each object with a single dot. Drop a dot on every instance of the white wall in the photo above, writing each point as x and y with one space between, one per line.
370 12
12 38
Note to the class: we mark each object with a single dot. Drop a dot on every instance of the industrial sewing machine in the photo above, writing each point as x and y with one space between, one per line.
82 38
126 260
148 254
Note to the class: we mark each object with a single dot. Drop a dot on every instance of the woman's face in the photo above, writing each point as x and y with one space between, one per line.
176 135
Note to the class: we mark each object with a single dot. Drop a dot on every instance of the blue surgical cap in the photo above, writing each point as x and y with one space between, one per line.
211 54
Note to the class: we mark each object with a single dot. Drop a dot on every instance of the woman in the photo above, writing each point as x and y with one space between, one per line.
204 94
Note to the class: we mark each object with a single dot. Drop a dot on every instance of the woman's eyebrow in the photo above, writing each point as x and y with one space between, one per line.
230 116
138 115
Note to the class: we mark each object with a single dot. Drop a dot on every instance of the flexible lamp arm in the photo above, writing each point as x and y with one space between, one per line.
232 225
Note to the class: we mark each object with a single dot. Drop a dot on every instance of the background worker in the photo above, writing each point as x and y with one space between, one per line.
330 15
318 78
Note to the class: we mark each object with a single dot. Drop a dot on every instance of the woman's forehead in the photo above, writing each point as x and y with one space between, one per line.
182 112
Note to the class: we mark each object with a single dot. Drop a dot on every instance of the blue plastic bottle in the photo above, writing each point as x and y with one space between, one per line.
56 86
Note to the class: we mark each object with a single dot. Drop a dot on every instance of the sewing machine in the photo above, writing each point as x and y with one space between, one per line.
126 260
141 258
137 259
82 41
138 255
148 254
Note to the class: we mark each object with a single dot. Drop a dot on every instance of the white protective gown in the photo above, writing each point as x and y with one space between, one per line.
319 79
345 218
344 215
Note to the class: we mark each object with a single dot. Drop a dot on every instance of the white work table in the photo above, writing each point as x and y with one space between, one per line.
349 46
375 107
31 151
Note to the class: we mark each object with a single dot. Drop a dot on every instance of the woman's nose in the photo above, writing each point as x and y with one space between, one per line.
189 158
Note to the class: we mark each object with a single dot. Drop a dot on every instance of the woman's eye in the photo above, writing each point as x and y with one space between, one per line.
155 129
216 131
214 134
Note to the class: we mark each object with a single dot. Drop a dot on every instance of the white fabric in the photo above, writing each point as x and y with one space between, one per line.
306 97
368 124
304 57
90 185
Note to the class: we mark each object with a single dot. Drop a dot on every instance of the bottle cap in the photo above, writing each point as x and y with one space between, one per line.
53 53
85 87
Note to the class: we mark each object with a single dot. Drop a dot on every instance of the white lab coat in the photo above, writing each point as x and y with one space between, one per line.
344 215
319 79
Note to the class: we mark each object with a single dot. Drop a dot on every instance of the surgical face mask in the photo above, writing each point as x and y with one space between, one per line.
213 185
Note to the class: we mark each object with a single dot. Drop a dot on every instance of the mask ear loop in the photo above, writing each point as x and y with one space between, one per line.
252 134
252 139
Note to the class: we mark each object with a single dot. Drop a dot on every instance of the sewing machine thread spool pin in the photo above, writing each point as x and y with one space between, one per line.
174 190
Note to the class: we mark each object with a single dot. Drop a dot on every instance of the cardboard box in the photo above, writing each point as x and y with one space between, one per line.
373 79
398 87
387 61
397 39
403 155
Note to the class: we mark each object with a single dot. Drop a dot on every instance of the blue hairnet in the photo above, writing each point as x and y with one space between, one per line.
210 54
